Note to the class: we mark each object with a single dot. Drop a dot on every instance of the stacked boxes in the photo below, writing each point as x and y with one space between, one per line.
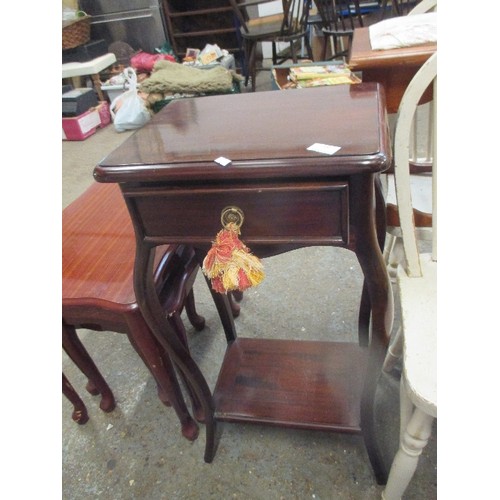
82 114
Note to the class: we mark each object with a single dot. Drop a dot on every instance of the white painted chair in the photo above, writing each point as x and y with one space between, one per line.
416 278
421 163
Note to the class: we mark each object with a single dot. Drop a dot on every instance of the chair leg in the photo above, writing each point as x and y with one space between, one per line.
251 65
246 57
394 352
292 52
389 245
395 257
415 436
309 48
161 368
80 415
79 355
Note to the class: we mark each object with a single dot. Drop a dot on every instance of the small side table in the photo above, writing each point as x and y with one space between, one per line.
91 68
291 197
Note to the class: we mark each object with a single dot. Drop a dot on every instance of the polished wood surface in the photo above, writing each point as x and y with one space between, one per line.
259 383
393 68
291 197
98 294
270 142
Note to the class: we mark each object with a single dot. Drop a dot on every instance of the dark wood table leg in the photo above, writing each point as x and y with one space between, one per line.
79 355
222 303
163 372
147 298
380 297
195 319
365 306
80 415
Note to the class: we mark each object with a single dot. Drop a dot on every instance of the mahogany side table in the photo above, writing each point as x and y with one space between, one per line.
291 197
393 68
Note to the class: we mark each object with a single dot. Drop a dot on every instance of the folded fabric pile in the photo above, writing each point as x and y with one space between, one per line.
404 31
169 77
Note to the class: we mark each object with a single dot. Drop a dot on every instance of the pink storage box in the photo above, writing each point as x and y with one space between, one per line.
78 128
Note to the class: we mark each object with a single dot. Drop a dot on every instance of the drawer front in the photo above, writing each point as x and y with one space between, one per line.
310 213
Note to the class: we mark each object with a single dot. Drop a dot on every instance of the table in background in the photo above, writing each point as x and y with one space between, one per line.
393 68
291 198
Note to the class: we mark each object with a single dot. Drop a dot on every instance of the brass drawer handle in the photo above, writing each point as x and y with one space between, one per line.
232 215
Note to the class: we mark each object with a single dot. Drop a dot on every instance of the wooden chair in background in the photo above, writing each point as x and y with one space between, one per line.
288 26
339 18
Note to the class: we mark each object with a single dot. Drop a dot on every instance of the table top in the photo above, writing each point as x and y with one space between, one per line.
363 57
264 134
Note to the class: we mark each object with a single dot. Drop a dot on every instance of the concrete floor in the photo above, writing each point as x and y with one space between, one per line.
137 450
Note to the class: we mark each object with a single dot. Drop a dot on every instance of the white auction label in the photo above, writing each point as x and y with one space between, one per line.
326 149
222 161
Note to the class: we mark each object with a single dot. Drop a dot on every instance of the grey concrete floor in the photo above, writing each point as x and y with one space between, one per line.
137 450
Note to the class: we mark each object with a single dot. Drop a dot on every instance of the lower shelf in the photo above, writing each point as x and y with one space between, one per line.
292 383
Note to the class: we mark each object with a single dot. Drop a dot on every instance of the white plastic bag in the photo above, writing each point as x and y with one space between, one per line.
131 112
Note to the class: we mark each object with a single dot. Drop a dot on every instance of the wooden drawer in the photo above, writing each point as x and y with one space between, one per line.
311 213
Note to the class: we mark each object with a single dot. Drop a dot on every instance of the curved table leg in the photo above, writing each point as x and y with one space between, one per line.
80 415
195 319
79 355
381 223
378 288
222 303
163 372
177 324
365 310
166 336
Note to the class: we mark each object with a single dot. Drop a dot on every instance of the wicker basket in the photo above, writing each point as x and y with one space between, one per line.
75 32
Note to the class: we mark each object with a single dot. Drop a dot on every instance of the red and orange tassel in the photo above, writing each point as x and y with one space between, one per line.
229 264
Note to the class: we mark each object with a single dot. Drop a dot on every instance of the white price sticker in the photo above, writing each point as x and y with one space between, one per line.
325 149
